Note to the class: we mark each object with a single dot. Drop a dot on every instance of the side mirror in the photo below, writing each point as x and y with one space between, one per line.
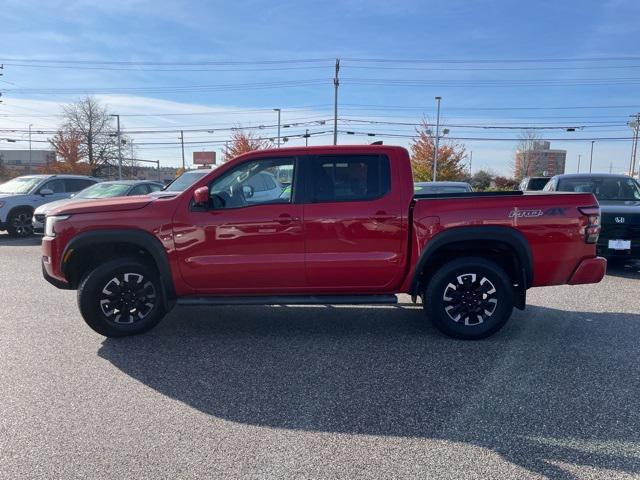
201 196
247 191
46 191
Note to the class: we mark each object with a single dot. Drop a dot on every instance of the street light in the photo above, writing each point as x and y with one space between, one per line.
435 155
29 166
119 146
278 110
591 160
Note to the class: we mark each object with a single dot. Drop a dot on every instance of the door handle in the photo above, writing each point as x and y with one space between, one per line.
382 216
286 219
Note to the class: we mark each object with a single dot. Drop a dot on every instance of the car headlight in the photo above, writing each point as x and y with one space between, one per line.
50 224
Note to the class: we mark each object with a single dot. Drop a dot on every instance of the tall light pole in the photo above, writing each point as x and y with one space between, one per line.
336 83
182 144
29 166
435 155
306 137
119 146
470 160
579 157
635 125
279 111
591 160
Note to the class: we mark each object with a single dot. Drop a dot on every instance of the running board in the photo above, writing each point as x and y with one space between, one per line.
291 300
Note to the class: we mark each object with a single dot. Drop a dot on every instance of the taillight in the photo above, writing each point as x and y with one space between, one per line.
592 229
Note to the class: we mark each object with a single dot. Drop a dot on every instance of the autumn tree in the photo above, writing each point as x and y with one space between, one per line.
504 183
6 173
92 125
70 154
242 142
451 156
481 180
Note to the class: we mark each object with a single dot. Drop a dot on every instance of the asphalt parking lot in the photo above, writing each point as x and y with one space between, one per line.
319 392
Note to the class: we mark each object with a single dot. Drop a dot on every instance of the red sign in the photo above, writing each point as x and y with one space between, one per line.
204 158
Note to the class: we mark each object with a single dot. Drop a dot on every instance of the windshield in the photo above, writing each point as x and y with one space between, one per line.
20 185
604 188
104 190
185 180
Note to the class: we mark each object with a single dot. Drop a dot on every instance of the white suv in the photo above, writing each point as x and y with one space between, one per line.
22 195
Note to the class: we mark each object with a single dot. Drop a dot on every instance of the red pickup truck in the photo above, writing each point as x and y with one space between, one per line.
319 225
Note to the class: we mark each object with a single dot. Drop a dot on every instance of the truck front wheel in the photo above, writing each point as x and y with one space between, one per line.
121 297
469 298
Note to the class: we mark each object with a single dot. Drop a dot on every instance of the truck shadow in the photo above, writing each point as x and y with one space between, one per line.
552 387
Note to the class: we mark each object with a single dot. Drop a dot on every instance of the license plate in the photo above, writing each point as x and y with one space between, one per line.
620 244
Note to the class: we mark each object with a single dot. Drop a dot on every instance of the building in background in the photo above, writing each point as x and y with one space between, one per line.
23 161
539 161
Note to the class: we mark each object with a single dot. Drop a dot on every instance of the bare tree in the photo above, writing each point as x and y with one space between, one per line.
93 123
526 156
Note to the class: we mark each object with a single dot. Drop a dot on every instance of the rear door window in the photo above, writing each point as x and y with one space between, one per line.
337 178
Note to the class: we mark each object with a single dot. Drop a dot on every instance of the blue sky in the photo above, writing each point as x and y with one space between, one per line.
153 38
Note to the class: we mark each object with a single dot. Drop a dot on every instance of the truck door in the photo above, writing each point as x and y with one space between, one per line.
247 241
353 223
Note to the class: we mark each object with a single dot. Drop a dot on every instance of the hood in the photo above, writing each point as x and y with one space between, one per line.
12 195
115 204
47 207
620 206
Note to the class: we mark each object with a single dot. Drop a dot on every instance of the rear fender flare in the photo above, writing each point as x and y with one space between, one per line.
508 235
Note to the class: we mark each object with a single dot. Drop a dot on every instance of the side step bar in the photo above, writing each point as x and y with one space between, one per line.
291 300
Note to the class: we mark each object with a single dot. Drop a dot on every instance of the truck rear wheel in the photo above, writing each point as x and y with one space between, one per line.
469 298
121 297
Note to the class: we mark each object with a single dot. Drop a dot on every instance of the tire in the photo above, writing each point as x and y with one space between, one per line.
485 306
19 223
101 297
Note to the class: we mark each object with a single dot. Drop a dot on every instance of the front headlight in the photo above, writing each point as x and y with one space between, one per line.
50 224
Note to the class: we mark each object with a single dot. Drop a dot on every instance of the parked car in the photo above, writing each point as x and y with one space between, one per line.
441 187
619 198
118 188
351 232
533 184
186 180
22 195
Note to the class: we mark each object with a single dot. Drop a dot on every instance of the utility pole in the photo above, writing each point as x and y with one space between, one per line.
30 159
610 167
579 157
119 146
435 154
470 160
591 161
336 83
279 112
635 124
182 144
306 137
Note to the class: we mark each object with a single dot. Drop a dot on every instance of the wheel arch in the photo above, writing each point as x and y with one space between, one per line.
89 249
503 245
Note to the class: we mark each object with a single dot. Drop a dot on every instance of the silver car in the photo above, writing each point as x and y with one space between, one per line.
120 188
22 195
